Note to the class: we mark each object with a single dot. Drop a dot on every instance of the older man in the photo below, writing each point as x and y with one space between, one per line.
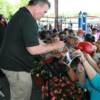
21 45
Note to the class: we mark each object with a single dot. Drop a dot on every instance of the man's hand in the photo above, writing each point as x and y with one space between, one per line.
58 45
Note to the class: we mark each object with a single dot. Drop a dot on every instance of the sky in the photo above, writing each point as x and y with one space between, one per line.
14 2
71 7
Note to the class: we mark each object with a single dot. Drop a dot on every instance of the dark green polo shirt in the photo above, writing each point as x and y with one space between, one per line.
22 32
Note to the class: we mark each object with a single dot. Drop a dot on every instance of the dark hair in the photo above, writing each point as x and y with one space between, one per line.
89 37
3 22
1 16
94 29
35 2
47 36
65 29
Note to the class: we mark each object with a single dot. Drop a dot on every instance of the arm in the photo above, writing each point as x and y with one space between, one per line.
88 68
92 62
84 82
45 48
93 76
81 74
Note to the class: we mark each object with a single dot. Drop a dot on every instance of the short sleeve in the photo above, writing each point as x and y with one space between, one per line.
29 30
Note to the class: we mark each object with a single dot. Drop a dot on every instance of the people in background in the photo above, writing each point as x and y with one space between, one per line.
94 33
3 25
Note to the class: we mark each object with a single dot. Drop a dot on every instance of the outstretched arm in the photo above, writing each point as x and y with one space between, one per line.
91 72
45 48
92 62
93 76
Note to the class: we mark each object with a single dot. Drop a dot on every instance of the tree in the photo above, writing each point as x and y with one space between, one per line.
8 9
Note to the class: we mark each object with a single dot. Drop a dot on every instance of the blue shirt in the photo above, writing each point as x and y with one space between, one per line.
94 87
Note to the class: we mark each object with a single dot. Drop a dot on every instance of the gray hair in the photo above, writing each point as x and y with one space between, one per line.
35 2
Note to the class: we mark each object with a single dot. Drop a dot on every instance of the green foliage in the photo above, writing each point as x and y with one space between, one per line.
8 9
